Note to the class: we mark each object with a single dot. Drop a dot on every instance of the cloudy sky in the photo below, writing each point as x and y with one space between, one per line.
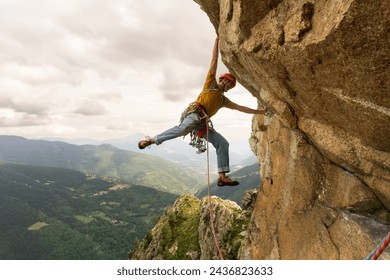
103 69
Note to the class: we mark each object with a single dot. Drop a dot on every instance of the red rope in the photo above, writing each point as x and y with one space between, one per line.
382 247
209 192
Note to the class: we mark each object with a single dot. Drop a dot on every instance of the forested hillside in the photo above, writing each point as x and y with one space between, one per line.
56 213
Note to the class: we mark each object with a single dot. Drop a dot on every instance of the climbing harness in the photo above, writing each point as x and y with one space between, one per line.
374 255
197 141
194 108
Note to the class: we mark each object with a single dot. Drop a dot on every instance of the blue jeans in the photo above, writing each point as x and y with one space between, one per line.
193 122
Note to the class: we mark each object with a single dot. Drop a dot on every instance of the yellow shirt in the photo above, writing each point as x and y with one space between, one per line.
211 98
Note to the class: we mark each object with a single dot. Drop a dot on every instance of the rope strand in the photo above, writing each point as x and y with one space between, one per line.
209 192
374 255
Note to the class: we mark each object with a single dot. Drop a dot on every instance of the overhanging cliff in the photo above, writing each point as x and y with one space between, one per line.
322 69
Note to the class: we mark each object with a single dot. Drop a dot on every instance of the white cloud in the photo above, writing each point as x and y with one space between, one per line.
91 108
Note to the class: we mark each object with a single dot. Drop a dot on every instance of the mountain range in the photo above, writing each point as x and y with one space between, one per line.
103 160
176 150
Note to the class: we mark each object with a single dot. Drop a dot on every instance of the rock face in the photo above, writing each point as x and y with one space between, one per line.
185 231
322 69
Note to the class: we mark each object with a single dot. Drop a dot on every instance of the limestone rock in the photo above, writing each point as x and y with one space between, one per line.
321 68
175 236
186 231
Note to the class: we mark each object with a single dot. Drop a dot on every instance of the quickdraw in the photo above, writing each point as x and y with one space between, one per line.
197 141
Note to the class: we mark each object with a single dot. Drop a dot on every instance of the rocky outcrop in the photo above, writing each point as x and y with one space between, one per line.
321 68
185 231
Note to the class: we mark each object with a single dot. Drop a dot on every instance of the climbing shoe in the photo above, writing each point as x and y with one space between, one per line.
145 143
222 183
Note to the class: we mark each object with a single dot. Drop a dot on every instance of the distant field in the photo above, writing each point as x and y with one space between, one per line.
38 226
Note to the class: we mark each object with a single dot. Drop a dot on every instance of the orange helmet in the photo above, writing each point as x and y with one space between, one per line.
230 77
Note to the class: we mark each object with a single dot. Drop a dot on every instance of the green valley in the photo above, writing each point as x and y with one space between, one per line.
57 213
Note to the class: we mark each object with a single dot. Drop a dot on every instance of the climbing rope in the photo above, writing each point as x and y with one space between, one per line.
209 192
374 255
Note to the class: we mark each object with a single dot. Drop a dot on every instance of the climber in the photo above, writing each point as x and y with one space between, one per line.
195 118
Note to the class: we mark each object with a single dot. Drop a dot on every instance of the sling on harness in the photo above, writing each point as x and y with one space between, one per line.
197 141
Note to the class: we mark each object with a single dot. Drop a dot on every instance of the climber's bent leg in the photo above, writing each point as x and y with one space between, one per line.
222 148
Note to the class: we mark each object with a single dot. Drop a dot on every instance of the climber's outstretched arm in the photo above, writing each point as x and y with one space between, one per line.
214 58
245 109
